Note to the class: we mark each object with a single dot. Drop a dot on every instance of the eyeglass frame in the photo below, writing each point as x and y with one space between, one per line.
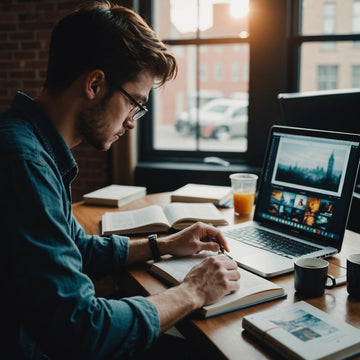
142 109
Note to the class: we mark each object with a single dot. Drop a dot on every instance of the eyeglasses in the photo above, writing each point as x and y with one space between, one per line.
139 110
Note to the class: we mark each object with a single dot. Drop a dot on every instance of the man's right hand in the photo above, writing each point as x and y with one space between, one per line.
212 279
206 283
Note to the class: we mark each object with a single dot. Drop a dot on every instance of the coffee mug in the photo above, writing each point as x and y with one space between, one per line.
310 276
353 275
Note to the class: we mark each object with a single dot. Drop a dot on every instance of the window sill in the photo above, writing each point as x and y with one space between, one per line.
168 176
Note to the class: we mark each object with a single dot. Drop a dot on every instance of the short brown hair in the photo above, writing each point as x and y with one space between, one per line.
109 37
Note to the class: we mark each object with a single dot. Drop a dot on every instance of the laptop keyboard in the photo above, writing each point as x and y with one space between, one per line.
271 242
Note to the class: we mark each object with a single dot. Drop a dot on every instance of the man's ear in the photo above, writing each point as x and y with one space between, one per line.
94 81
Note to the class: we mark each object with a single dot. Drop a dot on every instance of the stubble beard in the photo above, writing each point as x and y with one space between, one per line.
92 126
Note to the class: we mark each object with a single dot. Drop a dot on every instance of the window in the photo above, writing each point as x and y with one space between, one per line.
327 77
235 71
329 23
314 68
209 39
219 72
356 20
355 76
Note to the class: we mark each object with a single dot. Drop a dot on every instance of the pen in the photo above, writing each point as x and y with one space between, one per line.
222 251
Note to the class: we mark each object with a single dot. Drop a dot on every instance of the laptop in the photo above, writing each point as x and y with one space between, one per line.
303 200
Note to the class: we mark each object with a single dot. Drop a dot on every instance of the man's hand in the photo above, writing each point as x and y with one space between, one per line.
212 279
206 283
192 240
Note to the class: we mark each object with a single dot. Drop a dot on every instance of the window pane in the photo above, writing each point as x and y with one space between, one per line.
220 123
223 18
174 19
321 70
356 76
330 17
179 19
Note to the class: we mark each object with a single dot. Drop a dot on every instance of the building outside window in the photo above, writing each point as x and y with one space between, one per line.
319 69
356 20
329 24
184 123
207 31
235 71
219 72
355 78
327 77
203 72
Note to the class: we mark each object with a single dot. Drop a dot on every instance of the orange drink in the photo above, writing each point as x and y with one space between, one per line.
243 187
243 202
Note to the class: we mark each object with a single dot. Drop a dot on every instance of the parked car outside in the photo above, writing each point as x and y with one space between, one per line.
219 119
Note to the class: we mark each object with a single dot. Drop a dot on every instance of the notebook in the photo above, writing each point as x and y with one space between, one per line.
303 200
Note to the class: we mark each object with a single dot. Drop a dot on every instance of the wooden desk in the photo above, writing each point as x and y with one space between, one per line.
223 336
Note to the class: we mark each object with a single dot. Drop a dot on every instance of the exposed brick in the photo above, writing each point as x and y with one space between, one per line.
9 64
22 74
10 83
4 92
36 64
6 55
33 84
8 27
22 35
45 7
8 17
67 5
43 35
9 45
26 55
38 25
31 45
3 74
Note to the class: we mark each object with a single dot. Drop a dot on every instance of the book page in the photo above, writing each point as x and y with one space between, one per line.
183 212
253 288
122 220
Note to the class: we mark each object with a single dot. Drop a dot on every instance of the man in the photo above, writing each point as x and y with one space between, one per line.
103 62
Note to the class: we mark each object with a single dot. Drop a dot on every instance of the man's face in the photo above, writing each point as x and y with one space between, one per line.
103 123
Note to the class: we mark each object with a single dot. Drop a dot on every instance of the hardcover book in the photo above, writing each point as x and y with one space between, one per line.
301 331
115 195
218 195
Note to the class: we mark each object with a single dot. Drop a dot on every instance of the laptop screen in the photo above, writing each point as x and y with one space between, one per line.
307 182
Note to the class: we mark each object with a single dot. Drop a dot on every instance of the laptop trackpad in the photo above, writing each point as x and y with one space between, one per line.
261 262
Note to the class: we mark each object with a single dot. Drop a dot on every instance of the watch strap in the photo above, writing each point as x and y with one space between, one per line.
154 247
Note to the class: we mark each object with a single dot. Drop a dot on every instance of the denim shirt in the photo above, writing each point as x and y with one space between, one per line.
48 303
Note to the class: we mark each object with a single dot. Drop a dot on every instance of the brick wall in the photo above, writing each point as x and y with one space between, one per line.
25 29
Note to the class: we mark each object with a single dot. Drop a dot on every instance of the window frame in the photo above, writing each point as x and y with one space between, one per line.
274 67
296 40
284 56
146 150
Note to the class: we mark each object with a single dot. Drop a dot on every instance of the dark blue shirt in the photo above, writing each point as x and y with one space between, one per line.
47 261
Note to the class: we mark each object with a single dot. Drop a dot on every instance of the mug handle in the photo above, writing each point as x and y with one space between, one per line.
333 282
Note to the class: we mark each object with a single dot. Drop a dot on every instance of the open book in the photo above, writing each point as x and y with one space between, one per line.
301 331
154 218
253 289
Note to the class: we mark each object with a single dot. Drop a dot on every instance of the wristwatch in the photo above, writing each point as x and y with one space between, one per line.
154 247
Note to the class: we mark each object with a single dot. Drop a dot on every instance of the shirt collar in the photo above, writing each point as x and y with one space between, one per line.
50 138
